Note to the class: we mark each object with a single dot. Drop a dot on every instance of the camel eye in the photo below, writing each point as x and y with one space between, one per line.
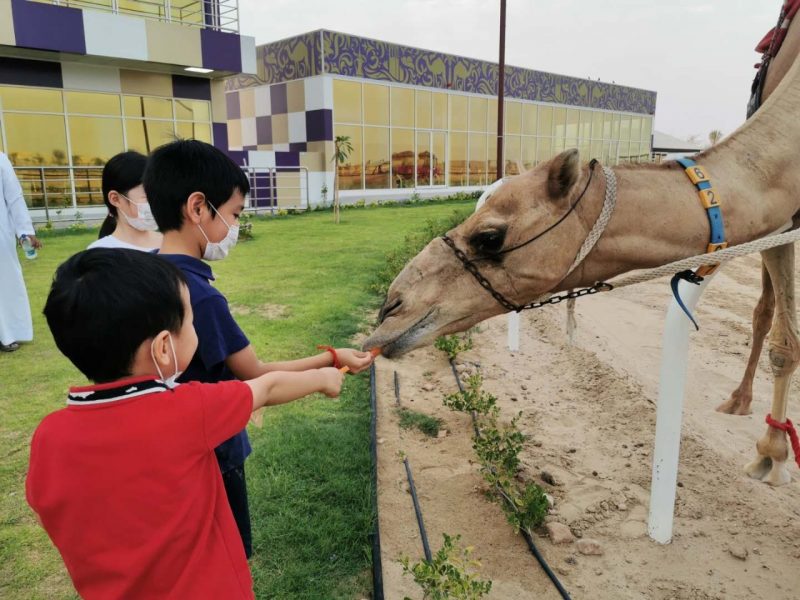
489 241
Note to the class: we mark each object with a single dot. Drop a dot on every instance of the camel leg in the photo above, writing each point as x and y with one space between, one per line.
742 396
784 356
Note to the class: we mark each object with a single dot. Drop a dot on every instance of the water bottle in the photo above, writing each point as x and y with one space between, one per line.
27 247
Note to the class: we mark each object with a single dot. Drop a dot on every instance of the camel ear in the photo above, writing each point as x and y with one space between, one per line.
563 173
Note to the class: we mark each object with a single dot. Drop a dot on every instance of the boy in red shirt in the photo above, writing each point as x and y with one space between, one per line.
124 479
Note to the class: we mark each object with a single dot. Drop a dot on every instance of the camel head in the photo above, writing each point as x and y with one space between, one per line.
435 295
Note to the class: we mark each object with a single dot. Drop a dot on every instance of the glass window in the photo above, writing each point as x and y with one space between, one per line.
596 150
573 117
608 119
156 108
511 154
439 110
586 125
458 113
491 121
350 170
477 114
544 149
545 121
197 131
376 157
513 117
438 158
477 159
376 104
92 104
146 135
491 158
457 159
423 153
192 110
597 125
636 128
402 107
36 140
94 140
346 101
625 128
30 99
647 130
530 123
528 152
585 149
423 109
558 146
402 158
560 123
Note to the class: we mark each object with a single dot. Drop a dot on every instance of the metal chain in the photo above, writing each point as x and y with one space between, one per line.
600 286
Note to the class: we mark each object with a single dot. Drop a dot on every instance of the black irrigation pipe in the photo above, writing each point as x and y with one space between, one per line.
377 568
525 533
425 546
396 389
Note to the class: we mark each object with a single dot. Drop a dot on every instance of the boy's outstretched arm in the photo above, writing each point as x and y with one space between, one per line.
279 387
246 365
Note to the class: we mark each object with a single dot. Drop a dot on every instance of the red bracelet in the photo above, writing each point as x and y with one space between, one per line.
330 349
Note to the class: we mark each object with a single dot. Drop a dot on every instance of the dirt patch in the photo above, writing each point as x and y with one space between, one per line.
270 312
589 410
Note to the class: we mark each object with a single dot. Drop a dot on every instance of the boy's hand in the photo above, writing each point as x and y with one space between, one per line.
331 381
355 359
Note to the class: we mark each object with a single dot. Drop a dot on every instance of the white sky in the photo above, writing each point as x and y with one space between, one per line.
697 54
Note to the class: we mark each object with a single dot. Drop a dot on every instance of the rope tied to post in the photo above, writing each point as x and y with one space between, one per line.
788 428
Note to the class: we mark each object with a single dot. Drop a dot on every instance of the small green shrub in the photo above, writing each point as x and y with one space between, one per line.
454 344
411 419
529 510
498 449
245 227
450 574
473 398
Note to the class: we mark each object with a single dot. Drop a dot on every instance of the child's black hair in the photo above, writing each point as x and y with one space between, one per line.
176 170
104 303
122 173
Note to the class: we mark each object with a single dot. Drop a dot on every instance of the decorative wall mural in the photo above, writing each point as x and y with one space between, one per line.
354 56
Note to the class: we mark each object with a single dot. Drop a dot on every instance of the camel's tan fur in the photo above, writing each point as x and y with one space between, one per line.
658 219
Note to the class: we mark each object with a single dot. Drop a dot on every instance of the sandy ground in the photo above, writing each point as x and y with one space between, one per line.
589 410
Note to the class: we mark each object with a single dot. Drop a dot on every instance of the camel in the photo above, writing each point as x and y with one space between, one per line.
658 219
741 398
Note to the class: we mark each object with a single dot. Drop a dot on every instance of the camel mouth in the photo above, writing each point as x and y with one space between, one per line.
397 344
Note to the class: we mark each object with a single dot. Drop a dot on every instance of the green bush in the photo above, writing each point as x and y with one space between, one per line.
473 398
449 574
454 344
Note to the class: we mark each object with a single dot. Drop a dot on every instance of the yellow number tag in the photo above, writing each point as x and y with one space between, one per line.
696 174
708 197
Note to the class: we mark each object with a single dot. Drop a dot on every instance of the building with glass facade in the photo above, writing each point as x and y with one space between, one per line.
416 118
83 80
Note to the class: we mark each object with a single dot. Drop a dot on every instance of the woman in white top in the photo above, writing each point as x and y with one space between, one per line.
129 223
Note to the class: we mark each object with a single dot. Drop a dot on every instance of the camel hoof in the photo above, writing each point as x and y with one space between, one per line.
778 475
736 405
759 468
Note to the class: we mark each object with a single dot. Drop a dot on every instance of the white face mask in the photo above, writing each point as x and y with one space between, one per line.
143 221
219 250
170 382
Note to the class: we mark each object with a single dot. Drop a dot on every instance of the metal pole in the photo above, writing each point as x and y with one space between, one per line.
501 82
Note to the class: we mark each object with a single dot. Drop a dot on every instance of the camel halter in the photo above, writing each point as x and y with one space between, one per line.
594 234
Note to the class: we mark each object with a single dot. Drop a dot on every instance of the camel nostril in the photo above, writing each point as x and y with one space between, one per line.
388 308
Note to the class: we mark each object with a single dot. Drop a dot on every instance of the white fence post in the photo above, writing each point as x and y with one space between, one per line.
669 411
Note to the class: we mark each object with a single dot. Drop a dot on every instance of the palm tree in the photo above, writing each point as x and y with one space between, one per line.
341 152
714 136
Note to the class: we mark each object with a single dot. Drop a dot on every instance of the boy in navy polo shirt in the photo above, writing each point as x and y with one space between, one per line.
196 194
124 479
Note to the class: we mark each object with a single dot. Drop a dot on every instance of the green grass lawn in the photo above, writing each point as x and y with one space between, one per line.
302 281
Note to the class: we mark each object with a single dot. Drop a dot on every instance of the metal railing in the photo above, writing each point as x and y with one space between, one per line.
57 188
277 188
221 15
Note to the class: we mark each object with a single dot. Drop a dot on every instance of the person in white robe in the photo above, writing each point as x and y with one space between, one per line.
15 311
